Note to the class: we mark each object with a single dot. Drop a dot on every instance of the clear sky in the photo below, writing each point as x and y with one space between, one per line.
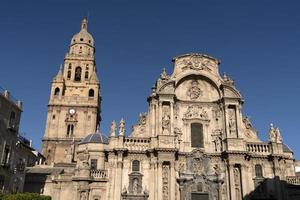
257 42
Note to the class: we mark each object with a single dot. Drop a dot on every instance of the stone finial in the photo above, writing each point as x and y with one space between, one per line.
164 76
122 127
227 79
84 24
113 128
272 133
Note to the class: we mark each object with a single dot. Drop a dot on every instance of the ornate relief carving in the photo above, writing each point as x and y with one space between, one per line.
195 111
165 182
218 143
83 195
237 183
166 123
232 121
247 122
197 62
141 126
194 92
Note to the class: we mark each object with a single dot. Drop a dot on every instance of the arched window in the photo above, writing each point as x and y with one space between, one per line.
91 93
56 91
258 171
70 66
69 74
135 166
78 74
86 75
70 129
197 135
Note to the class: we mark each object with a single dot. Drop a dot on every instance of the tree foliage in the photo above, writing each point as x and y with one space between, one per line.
24 196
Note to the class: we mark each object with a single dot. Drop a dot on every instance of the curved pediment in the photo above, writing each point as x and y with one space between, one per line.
230 92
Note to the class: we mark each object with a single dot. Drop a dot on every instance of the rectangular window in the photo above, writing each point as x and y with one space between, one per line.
197 135
199 196
5 159
93 164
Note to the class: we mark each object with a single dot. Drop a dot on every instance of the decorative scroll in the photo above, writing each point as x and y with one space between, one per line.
197 62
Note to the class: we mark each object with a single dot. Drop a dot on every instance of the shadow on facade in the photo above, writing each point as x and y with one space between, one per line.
274 189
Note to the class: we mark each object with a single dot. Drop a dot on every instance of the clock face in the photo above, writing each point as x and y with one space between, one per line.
72 111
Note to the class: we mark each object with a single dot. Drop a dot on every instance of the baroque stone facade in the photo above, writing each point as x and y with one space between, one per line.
193 142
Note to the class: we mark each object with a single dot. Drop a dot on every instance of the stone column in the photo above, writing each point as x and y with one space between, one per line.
159 180
244 180
152 119
172 180
118 186
160 118
152 179
172 117
157 119
231 182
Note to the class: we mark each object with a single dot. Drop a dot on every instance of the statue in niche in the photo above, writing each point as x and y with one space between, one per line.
232 121
194 92
166 124
135 186
113 128
122 127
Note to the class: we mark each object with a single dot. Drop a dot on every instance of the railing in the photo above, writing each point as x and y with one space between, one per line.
97 173
258 148
294 180
138 144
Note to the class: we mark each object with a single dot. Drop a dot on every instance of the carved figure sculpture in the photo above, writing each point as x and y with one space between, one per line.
278 136
232 122
272 133
113 128
135 186
122 127
166 124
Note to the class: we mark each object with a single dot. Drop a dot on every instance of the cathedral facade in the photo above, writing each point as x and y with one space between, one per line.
193 143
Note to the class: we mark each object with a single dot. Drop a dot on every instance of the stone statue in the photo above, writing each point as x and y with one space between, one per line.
166 124
135 186
272 133
122 127
232 121
113 128
278 135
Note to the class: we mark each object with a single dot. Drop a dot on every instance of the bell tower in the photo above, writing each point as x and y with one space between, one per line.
74 103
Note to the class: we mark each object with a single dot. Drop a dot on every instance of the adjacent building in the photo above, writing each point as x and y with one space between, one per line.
15 151
192 143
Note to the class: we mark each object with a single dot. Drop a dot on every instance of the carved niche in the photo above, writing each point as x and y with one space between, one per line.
232 121
166 120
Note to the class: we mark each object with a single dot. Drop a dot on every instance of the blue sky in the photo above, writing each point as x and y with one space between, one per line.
257 42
